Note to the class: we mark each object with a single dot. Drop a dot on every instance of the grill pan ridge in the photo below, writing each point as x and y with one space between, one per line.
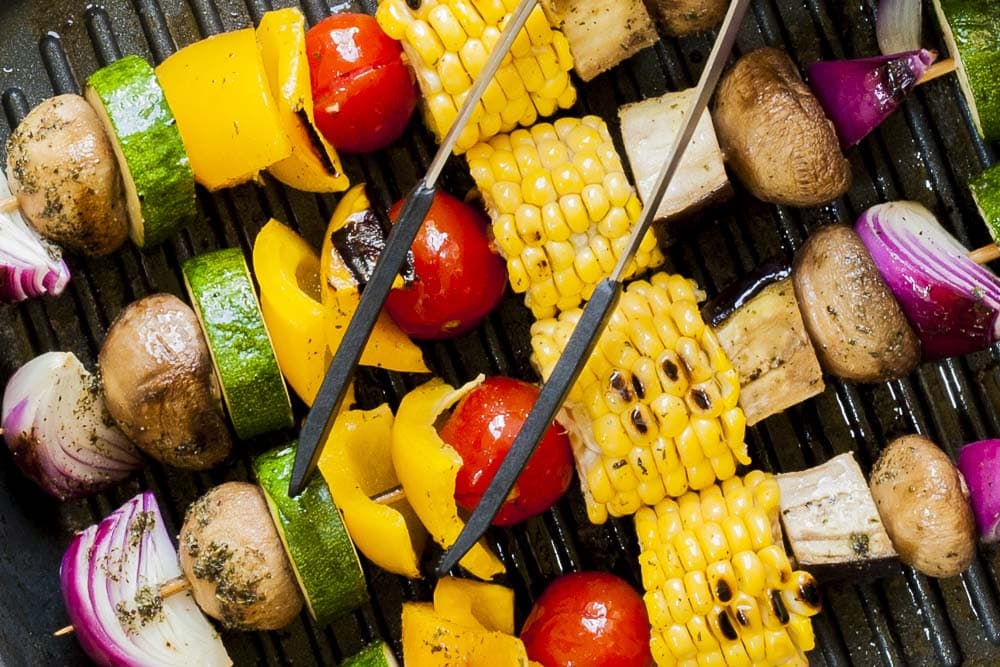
926 152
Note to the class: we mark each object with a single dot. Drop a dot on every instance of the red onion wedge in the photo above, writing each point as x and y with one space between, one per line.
897 25
59 430
110 577
979 463
951 301
858 95
29 265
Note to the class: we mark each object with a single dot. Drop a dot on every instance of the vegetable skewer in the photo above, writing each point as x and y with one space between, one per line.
596 314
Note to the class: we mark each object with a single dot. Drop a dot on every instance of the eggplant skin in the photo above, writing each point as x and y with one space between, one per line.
857 327
160 384
775 134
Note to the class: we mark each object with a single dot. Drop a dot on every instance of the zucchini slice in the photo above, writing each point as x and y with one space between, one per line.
159 183
323 557
377 654
223 298
986 191
971 28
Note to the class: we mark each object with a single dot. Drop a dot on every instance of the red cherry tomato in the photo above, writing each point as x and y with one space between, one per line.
483 427
588 619
362 90
459 279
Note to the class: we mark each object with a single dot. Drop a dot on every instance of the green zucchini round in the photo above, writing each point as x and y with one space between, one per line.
159 183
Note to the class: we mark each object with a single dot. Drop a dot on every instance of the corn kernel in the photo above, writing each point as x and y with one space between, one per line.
506 235
736 533
723 465
425 42
634 209
713 504
492 11
504 166
713 542
694 359
610 435
447 27
709 434
702 635
393 16
759 526
800 629
542 297
678 641
689 551
442 109
801 594
472 23
670 562
657 607
625 503
575 213
696 586
506 196
668 518
595 198
535 263
688 447
778 569
538 28
677 601
568 96
721 581
529 225
517 275
778 646
650 489
554 85
672 417
481 173
672 372
701 475
689 508
615 225
661 652
605 255
644 380
599 484
750 575
767 494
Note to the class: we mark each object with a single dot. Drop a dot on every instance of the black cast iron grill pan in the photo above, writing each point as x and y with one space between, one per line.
925 152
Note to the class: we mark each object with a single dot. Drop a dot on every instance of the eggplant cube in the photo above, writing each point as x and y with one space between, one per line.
649 129
831 521
602 33
766 340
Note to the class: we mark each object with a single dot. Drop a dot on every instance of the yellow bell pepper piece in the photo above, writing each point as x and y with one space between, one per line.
313 165
430 640
388 346
227 117
287 269
427 467
475 604
357 464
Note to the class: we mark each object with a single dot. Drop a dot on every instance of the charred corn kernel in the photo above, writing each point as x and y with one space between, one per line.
698 592
528 225
801 595
671 371
676 601
725 632
750 574
721 581
778 569
639 426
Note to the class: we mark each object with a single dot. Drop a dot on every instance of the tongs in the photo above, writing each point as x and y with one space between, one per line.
319 421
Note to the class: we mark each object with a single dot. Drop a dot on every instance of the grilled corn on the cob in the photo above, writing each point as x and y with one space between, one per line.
655 411
448 42
719 587
562 209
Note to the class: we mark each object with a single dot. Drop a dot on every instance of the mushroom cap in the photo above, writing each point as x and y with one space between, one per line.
775 133
232 554
160 384
923 501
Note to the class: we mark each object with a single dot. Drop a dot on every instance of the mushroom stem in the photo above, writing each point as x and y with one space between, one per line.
9 204
986 254
172 587
940 68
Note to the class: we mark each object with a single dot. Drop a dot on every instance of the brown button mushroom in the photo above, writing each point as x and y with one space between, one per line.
688 17
160 385
924 504
65 175
857 327
775 134
232 555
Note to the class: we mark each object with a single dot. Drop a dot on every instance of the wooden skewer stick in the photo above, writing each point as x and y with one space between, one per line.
9 204
987 253
181 583
940 68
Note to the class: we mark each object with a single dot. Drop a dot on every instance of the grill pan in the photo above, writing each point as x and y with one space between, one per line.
926 152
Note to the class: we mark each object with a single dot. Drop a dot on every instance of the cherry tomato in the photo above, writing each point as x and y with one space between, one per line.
362 90
459 279
483 427
588 619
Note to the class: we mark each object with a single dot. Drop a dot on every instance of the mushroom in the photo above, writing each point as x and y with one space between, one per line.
924 504
688 17
775 134
160 385
232 555
65 176
856 325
